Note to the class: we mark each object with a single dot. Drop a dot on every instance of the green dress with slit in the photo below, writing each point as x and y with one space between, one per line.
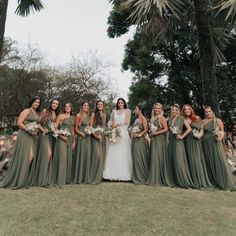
140 157
63 156
196 159
159 173
43 171
83 155
219 170
177 155
98 156
20 173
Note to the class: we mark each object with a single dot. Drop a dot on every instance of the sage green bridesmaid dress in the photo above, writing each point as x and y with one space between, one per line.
83 155
196 159
219 170
43 171
159 173
20 173
63 156
98 156
140 157
177 155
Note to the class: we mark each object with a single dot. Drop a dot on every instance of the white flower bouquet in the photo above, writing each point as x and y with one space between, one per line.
98 131
113 134
217 133
175 130
88 129
153 128
64 132
135 129
32 127
196 133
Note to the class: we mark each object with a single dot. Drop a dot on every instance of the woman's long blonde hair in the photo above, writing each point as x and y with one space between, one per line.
153 112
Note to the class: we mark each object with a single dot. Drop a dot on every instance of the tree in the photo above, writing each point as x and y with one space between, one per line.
3 16
24 8
25 73
154 16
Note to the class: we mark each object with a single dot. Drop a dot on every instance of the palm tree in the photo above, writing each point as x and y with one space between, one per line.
24 8
231 6
157 16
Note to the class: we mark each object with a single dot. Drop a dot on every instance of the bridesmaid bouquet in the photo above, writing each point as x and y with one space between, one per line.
135 130
196 133
32 127
65 132
98 131
175 130
51 126
218 133
88 129
153 128
113 134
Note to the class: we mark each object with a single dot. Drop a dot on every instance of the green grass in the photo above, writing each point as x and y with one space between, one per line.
116 209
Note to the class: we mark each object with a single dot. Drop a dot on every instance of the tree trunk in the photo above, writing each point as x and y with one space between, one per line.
3 16
207 62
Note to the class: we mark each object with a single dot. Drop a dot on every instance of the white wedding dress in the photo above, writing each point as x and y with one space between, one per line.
118 164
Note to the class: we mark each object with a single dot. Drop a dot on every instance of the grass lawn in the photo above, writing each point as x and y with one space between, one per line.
116 209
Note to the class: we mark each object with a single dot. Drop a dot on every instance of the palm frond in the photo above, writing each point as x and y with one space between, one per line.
220 39
144 9
25 7
229 5
154 16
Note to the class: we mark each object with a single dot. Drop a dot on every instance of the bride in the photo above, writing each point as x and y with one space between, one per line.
118 164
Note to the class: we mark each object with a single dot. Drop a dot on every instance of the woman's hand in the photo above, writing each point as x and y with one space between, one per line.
178 136
82 134
73 145
154 133
65 139
45 131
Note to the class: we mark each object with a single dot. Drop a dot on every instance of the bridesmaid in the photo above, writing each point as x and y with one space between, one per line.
62 157
43 171
194 151
159 173
139 148
176 149
219 171
20 173
83 146
98 144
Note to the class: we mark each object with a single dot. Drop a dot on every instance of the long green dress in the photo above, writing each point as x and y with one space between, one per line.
98 156
159 173
219 170
140 157
177 155
43 171
196 159
83 155
20 173
63 156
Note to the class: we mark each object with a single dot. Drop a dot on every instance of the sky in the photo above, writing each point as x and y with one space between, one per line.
70 27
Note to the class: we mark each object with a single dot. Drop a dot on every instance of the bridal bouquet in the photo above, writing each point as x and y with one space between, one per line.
32 127
196 133
88 129
113 134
